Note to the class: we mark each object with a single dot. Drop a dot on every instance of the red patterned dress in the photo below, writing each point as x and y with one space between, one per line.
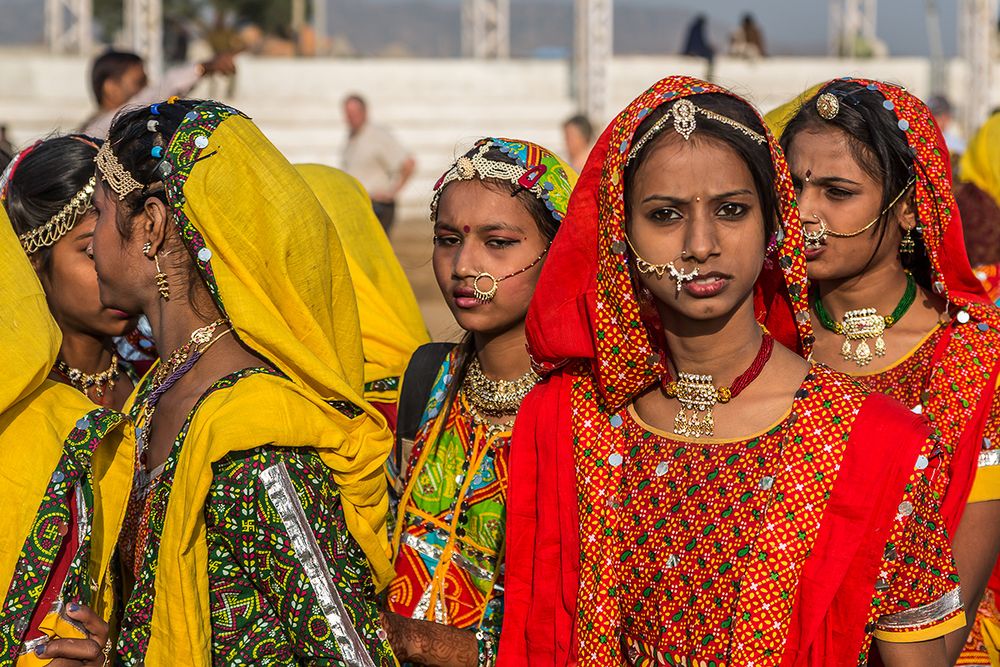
941 378
699 517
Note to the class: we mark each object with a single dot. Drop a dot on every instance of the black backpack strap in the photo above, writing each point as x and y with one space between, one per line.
418 380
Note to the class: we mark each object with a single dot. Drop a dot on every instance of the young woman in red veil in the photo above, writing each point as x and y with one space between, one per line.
896 304
686 488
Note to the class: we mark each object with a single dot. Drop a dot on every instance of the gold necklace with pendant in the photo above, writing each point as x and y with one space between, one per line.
698 394
866 324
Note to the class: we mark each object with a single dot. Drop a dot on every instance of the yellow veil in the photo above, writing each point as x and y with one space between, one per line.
778 118
391 324
980 164
37 415
275 266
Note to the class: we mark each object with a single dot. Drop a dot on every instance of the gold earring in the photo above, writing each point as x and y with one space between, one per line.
146 248
161 280
907 246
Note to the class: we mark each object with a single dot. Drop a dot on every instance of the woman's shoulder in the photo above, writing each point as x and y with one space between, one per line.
859 400
271 466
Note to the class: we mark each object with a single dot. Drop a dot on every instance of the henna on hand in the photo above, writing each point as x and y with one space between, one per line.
430 644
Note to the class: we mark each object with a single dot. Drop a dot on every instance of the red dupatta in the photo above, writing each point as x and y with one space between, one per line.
585 318
969 396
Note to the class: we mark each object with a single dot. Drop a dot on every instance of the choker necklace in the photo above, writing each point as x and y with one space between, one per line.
697 394
866 323
496 398
103 381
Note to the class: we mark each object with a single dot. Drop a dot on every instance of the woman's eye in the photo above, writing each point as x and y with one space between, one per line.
732 210
500 243
441 240
839 193
665 214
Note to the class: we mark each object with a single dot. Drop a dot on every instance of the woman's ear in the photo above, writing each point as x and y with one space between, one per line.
153 223
907 215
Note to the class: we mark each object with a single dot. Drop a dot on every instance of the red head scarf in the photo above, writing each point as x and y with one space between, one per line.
586 309
937 211
951 277
585 305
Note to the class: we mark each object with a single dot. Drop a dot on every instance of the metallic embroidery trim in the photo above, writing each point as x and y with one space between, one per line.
82 518
990 458
432 551
286 501
918 617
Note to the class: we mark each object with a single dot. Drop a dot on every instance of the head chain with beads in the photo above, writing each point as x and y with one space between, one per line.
684 113
114 174
59 224
466 168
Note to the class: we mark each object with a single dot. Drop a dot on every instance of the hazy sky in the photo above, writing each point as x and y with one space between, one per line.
790 26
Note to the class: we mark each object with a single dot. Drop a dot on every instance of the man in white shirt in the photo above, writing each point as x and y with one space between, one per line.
374 157
118 79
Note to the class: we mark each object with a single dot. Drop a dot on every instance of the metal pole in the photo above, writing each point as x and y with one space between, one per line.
486 28
592 51
319 26
74 36
977 32
144 33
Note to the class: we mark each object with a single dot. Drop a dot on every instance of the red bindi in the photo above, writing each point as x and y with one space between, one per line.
466 229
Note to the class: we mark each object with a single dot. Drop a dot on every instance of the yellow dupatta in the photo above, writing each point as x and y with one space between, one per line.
779 117
391 324
37 415
274 265
980 163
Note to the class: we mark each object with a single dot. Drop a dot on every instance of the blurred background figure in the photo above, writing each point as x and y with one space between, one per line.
747 41
696 43
376 158
978 197
944 114
578 134
6 148
118 79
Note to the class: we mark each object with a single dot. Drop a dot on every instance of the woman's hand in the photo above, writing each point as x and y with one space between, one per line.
95 651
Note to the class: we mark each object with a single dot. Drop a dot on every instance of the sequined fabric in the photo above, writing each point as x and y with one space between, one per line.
449 565
713 535
264 608
51 526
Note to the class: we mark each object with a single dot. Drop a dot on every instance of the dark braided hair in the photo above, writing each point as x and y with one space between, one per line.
877 145
133 143
45 180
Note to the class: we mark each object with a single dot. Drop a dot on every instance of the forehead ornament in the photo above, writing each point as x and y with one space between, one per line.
827 106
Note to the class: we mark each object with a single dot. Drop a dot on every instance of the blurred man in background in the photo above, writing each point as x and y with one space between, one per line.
374 157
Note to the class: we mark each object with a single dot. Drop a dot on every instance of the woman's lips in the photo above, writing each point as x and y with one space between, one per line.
707 285
814 251
465 299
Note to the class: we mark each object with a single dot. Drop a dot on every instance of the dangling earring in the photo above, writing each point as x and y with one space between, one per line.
161 279
907 247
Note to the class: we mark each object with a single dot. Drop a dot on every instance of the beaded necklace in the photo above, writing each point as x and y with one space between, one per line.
103 381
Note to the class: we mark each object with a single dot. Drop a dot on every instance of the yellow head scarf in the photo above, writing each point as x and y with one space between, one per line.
391 324
980 164
777 119
37 415
274 265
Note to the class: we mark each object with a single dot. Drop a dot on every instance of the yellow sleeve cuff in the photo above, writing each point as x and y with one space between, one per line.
986 485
